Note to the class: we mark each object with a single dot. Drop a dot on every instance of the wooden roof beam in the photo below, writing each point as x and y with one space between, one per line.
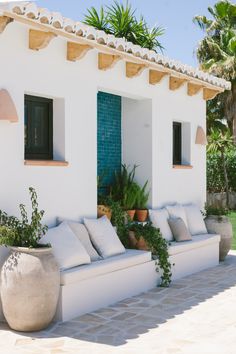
209 94
193 89
175 83
134 69
156 76
39 39
4 21
107 61
76 51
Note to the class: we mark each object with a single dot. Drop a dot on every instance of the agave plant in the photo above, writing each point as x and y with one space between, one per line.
121 21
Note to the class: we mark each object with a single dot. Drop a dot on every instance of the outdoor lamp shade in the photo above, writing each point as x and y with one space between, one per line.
201 138
7 107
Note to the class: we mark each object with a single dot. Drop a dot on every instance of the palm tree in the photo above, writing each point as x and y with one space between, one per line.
220 143
120 20
217 54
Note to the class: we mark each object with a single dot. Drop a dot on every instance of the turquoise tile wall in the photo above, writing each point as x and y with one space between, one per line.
108 137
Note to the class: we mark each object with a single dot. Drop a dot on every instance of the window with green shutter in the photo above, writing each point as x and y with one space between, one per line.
177 143
38 128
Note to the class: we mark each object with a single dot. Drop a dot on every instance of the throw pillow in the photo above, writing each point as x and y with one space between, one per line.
82 233
195 220
159 219
179 230
104 237
66 247
177 211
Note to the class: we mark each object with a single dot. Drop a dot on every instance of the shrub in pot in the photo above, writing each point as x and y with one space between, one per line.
217 222
141 203
30 278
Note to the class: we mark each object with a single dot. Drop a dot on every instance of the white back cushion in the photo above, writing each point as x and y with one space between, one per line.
82 233
66 247
159 219
104 237
177 211
195 220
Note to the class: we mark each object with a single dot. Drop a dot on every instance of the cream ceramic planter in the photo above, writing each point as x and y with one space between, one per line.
223 227
30 282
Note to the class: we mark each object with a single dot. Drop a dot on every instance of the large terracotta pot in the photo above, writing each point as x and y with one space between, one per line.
222 226
30 283
138 244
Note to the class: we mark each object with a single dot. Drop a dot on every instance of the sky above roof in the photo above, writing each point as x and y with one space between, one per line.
181 36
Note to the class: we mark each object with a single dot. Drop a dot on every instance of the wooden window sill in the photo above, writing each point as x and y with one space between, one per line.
46 163
183 167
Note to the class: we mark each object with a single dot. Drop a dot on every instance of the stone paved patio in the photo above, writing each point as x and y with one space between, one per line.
196 315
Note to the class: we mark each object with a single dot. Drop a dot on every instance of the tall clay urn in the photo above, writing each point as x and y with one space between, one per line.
222 226
30 283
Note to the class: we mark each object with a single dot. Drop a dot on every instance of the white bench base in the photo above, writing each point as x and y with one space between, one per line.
89 295
199 255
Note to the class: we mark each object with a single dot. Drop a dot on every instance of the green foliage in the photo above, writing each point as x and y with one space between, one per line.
217 55
142 198
219 142
22 232
120 20
124 189
157 245
215 174
210 210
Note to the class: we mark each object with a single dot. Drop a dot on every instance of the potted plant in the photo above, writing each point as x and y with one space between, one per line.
30 278
217 222
147 237
124 189
141 203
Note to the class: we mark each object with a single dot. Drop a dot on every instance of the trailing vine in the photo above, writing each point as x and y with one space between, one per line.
157 245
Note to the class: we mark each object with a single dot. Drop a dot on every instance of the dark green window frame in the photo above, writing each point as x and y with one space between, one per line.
177 143
44 127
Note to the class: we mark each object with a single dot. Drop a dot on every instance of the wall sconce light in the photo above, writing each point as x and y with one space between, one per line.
201 138
7 107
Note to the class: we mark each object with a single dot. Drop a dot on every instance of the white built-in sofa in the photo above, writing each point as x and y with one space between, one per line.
86 288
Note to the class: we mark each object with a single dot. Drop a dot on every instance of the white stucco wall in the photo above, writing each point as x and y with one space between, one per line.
72 191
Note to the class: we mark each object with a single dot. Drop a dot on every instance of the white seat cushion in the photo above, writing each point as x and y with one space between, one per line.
128 259
159 219
197 241
66 247
177 211
104 237
195 220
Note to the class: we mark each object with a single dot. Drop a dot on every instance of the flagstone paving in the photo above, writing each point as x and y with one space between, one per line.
196 315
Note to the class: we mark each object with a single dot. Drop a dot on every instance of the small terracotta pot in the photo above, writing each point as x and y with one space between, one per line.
131 214
142 215
138 244
104 210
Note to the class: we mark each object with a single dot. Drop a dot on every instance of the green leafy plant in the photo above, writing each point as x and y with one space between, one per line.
217 55
23 232
142 198
121 21
157 245
221 142
216 211
124 189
